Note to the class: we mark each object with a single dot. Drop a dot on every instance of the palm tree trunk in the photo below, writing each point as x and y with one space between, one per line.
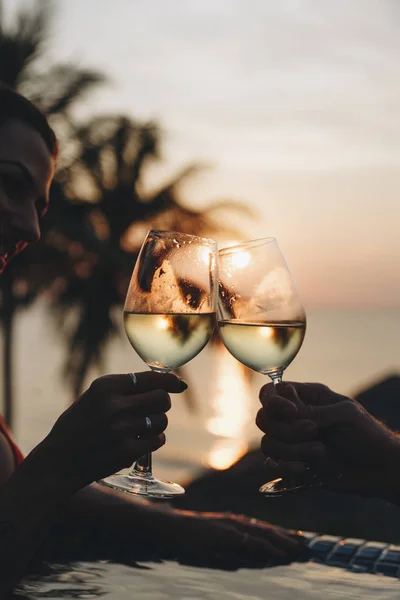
8 312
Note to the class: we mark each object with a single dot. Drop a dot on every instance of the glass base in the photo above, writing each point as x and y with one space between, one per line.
143 485
278 487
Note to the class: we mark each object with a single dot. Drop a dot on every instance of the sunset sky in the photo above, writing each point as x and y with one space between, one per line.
294 104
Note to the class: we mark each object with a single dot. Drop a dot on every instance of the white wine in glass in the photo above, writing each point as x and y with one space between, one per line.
166 341
261 320
169 317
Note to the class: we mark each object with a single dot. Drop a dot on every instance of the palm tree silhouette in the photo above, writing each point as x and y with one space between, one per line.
98 213
112 153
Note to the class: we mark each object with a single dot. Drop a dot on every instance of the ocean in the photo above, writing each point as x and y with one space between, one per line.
345 349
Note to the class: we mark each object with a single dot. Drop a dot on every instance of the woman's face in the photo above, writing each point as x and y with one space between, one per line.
26 171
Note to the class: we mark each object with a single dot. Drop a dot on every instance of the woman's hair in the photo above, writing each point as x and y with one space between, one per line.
15 106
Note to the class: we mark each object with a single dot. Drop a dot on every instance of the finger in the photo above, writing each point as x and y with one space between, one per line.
288 391
231 539
293 431
316 394
308 393
334 414
219 533
278 537
156 401
138 426
149 380
129 450
276 404
145 381
297 452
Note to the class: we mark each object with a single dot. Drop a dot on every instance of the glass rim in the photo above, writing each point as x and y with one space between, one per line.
249 244
162 232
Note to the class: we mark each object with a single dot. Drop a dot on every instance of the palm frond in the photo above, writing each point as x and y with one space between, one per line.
23 42
56 90
91 303
230 205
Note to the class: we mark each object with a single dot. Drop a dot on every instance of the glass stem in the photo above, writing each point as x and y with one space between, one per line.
143 466
276 378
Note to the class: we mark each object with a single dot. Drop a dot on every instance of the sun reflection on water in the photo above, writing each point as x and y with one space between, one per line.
231 412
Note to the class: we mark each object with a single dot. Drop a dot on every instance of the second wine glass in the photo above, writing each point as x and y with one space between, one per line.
169 317
260 317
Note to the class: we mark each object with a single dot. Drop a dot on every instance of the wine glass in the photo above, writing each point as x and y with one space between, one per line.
169 317
261 320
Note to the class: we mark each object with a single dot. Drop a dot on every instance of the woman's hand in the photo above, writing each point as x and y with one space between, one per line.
102 432
216 535
308 426
180 534
105 429
212 536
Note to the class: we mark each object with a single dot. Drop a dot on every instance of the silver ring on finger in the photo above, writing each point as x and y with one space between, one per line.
148 423
134 379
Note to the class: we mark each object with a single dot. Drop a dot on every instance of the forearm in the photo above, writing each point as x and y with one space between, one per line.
36 496
30 502
381 480
96 504
390 481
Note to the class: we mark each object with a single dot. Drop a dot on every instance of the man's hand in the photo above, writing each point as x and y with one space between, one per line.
308 426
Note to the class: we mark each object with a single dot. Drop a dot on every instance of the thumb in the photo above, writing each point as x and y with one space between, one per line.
332 414
289 392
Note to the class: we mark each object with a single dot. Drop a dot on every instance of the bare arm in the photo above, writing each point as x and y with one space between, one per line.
185 533
33 502
29 504
101 433
96 504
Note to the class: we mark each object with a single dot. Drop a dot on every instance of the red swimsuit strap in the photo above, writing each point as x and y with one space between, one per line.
16 451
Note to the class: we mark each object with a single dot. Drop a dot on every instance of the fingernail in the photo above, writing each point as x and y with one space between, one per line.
183 385
289 388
